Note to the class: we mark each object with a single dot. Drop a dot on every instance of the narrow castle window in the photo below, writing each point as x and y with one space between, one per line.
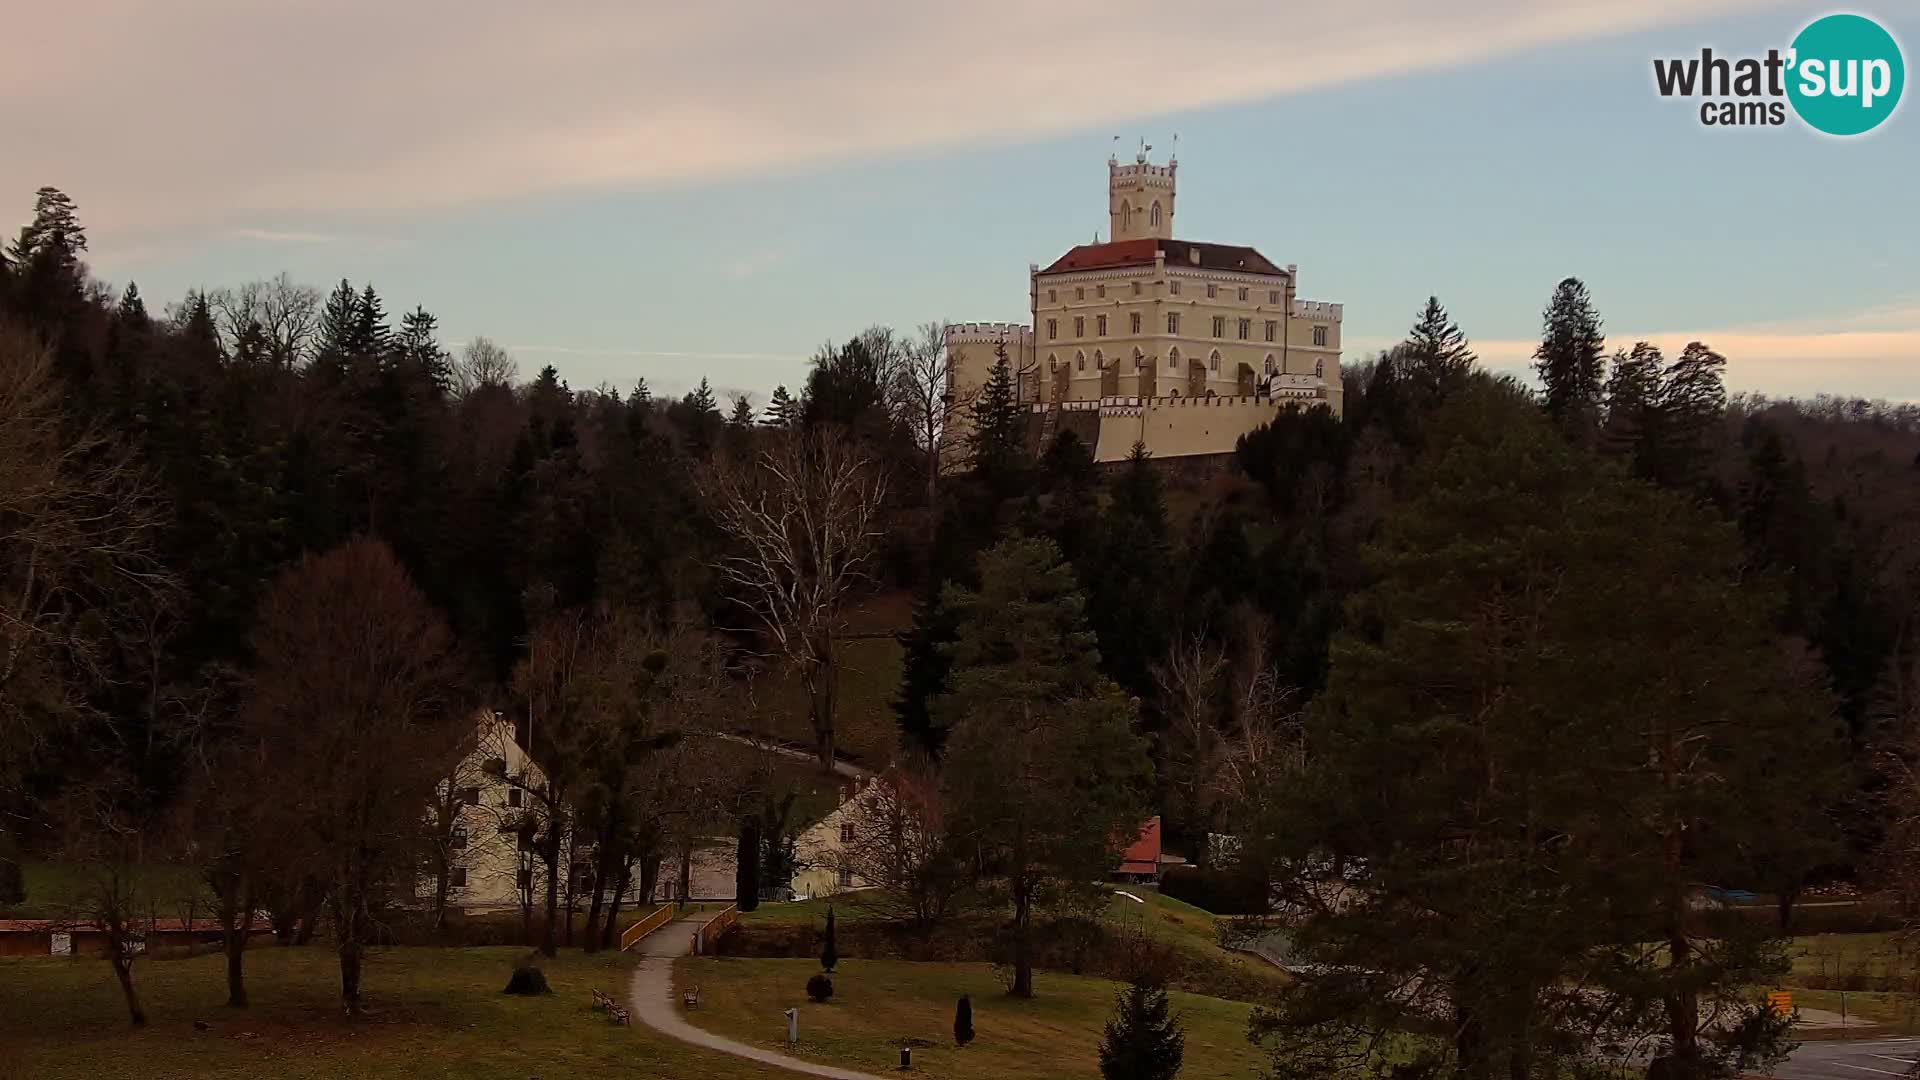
1173 359
1173 287
1273 296
1053 296
1135 319
1079 292
1153 216
1099 360
1246 328
1136 288
1173 322
1100 325
1219 326
1272 328
1079 326
1079 361
1212 291
1213 362
1243 294
1139 360
1100 291
1320 369
1319 335
1053 329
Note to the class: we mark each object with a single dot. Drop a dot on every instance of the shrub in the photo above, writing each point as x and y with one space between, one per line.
829 951
1221 892
1143 1041
820 988
528 980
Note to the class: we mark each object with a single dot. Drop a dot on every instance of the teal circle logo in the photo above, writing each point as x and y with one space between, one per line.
1845 74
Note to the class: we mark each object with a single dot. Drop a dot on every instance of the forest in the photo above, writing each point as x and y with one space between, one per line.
1481 682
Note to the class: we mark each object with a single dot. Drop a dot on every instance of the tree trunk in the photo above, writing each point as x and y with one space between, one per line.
122 961
442 883
350 972
1022 942
610 933
236 942
592 941
1787 898
649 876
820 699
549 943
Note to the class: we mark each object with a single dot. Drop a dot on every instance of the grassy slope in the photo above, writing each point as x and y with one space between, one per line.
55 891
434 1013
878 1005
869 677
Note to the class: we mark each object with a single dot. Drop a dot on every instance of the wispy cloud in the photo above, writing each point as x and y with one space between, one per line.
455 102
751 265
283 236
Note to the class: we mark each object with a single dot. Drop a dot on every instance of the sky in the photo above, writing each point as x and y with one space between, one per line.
626 189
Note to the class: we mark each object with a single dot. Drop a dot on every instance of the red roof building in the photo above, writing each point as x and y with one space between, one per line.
1141 859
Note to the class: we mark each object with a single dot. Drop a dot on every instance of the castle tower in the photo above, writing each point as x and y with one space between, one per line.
1140 198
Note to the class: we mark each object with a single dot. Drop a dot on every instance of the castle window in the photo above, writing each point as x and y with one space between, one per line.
1079 326
1153 216
1100 291
1213 362
1079 292
1173 322
1212 291
1319 335
1079 361
1173 359
1100 325
1273 296
1126 215
1320 369
1099 360
1243 294
1173 287
1136 288
1053 297
1139 361
1219 326
1053 329
1246 328
1053 362
1134 320
1272 328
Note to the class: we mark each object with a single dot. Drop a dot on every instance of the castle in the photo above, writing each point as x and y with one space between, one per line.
1180 345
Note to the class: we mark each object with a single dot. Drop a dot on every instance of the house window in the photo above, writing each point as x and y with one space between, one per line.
1100 291
1079 292
1219 326
1134 321
458 839
1173 322
1246 328
457 877
845 878
1213 362
1173 287
1273 296
1212 291
495 766
1053 329
846 832
470 796
1273 327
1079 326
513 796
1100 325
1319 335
1243 294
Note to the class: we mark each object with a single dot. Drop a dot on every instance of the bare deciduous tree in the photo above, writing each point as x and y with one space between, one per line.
484 364
801 519
287 313
928 399
358 690
894 837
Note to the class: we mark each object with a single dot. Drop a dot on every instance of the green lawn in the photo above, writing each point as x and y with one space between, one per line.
432 1013
57 890
878 1006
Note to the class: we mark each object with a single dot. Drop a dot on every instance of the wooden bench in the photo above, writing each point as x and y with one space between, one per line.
690 996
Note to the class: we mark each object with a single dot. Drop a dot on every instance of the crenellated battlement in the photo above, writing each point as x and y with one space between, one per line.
1150 175
1317 309
991 332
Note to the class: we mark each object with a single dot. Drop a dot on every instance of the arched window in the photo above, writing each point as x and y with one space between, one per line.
1053 362
1079 361
1153 216
1213 362
1139 360
1099 360
1320 369
1173 359
1126 215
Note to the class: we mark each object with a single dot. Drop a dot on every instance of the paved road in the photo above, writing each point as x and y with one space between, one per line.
1851 1059
840 765
651 996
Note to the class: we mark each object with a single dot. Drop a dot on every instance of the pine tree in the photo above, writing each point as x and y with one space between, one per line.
335 338
963 1021
923 673
419 349
1143 1041
55 232
1435 358
372 337
1571 360
641 397
741 417
997 438
829 949
783 411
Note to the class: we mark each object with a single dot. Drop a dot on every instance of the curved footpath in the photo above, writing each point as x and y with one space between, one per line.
651 997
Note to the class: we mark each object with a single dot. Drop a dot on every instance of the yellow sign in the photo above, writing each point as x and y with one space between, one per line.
1781 1001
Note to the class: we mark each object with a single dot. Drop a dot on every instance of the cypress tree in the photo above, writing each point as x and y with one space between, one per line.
963 1021
1570 360
829 948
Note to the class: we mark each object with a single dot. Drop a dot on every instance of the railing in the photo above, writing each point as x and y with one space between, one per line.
661 916
711 930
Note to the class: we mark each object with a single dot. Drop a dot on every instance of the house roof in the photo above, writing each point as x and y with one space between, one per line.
1190 253
1143 855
